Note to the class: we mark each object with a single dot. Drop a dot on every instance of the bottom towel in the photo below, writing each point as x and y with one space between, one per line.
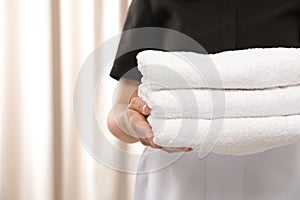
238 136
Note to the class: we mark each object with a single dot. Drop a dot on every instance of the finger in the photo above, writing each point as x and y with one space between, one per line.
139 125
151 140
147 142
176 150
173 150
137 118
139 105
144 141
168 150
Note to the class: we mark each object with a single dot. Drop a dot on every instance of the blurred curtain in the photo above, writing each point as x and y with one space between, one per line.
42 46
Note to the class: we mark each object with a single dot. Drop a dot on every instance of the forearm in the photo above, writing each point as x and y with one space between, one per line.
119 111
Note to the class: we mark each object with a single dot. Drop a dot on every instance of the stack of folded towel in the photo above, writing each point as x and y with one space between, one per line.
254 93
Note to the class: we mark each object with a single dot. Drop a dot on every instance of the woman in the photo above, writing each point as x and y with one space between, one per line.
217 25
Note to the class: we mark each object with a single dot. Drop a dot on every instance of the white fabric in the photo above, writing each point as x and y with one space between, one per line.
251 68
270 175
239 136
260 90
239 103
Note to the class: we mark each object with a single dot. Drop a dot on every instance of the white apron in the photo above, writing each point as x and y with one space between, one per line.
271 175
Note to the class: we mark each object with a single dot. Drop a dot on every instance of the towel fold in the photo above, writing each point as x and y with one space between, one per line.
198 103
259 89
239 136
241 69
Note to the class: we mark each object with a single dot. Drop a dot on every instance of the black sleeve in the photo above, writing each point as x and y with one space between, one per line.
139 15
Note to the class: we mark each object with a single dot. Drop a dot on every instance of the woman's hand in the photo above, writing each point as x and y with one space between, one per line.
131 120
128 118
138 112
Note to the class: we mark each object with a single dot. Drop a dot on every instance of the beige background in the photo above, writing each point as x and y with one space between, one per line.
42 46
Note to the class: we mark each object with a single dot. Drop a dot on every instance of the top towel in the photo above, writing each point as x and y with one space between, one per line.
256 68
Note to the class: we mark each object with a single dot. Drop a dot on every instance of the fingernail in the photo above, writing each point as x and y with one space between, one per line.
189 149
144 109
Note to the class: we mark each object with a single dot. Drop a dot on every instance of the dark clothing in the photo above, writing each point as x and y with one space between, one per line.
217 25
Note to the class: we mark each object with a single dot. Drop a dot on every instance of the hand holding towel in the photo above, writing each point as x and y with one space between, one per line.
262 98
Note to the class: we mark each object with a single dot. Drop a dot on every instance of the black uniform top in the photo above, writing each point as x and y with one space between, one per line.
217 25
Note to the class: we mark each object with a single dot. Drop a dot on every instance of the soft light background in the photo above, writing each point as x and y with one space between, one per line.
42 46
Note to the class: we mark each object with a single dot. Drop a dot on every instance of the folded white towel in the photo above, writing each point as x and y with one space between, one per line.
261 89
197 103
250 68
239 136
